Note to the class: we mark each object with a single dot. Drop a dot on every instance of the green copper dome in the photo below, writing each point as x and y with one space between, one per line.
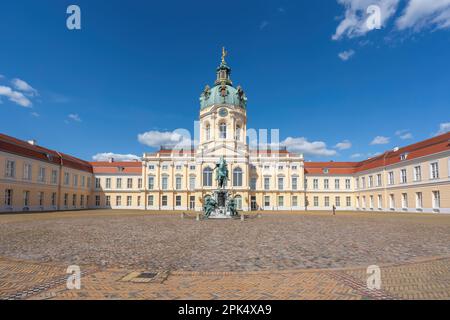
223 92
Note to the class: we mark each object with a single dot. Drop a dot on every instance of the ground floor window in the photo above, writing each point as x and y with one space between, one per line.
139 201
66 199
316 201
178 201
82 200
266 201
164 201
8 197
349 201
280 201
404 201
364 202
238 202
118 200
436 199
391 201
26 198
150 201
380 201
108 201
371 202
294 201
419 200
41 198
54 199
97 201
74 200
129 200
192 202
327 201
337 201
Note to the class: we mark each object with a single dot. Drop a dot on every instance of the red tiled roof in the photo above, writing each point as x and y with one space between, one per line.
333 167
134 167
25 149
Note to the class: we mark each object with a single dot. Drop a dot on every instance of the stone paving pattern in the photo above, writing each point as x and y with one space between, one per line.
284 256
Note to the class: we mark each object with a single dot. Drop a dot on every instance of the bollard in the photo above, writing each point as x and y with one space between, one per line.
259 215
182 215
198 217
242 217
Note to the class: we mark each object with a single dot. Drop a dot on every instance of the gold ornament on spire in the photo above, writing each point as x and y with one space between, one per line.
224 54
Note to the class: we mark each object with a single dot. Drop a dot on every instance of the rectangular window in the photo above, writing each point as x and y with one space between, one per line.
192 167
54 179
66 178
306 184
66 199
266 183
151 167
108 201
74 200
348 201
280 201
327 201
164 201
10 169
108 183
118 200
129 183
97 201
280 183
403 175
150 201
419 200
151 183
178 201
27 171
83 181
436 199
316 201
391 178
139 201
266 201
82 200
253 183
88 182
337 184
119 183
26 198
140 183
357 203
178 183
418 173
391 201
165 183
75 180
371 204
178 167
357 183
434 170
337 201
192 183
316 184
97 183
404 200
380 201
294 183
129 200
41 176
379 180
370 181
363 182
294 201
8 197
326 184
347 184
53 199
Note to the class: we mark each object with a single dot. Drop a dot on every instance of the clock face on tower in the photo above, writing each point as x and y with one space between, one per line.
223 112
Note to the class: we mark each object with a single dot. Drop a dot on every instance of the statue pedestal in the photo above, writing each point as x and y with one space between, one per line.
221 197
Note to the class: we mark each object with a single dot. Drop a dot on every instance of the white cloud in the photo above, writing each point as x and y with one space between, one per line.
380 140
404 134
178 139
263 25
302 145
35 114
15 96
356 155
345 55
74 117
354 22
23 86
420 14
344 145
443 128
106 156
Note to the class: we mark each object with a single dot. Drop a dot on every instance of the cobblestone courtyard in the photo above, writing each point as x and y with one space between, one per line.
277 256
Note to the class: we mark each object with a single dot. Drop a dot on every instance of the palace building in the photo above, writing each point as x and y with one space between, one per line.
415 178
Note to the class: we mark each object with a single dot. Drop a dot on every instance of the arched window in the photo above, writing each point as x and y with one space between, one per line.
223 130
208 132
237 177
207 177
238 202
238 133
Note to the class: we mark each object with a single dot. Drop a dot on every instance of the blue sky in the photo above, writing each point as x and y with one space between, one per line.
335 89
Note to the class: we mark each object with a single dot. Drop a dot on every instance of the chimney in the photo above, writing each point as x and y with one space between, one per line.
111 160
32 142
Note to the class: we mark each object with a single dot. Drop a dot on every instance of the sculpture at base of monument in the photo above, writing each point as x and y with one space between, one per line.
232 207
209 206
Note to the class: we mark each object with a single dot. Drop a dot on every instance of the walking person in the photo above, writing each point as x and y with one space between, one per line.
334 210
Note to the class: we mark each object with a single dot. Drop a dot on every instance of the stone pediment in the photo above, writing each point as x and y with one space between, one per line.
224 149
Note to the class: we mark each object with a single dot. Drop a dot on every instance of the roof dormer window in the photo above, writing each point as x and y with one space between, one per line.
326 171
404 156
